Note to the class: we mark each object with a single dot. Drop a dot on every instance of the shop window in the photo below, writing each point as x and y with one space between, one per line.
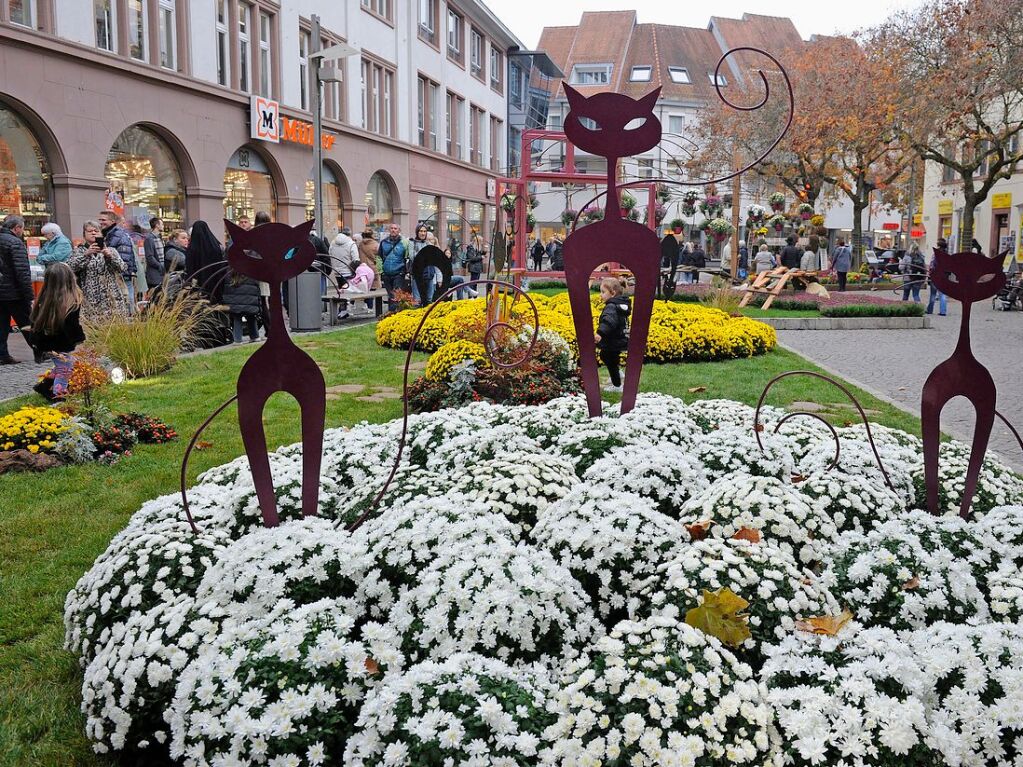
144 175
455 229
427 211
474 217
168 35
22 12
248 186
26 187
332 211
379 202
105 20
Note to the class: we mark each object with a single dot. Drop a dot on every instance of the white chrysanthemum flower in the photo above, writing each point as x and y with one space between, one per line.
777 511
853 502
663 473
655 688
733 450
466 709
996 486
266 695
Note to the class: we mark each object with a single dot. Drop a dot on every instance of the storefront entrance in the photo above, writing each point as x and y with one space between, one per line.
248 186
26 188
145 180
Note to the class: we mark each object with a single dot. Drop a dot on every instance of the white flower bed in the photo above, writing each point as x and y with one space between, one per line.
518 599
777 511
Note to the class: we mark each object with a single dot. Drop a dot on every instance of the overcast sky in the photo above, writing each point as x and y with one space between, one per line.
526 18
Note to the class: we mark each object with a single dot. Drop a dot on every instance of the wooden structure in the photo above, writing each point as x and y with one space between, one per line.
773 282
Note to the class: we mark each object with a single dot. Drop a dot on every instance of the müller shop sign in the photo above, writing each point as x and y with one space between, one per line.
267 124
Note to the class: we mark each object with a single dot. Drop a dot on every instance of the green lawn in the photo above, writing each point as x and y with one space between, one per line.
52 526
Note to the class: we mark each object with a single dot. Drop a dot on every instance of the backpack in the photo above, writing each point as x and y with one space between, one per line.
918 265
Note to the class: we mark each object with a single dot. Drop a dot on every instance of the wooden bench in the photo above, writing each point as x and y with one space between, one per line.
773 282
335 301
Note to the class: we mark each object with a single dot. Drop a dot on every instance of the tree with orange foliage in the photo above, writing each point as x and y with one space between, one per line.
843 136
958 66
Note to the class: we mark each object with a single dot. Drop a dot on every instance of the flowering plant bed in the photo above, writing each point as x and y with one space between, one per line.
678 331
600 615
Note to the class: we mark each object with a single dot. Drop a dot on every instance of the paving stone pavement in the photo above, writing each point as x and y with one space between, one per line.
19 379
893 364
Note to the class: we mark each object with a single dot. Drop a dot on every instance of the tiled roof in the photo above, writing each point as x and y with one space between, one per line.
614 37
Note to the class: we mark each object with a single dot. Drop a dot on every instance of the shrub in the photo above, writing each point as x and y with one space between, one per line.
149 341
113 439
894 309
149 430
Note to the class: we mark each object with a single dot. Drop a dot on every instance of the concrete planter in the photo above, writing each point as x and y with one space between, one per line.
847 323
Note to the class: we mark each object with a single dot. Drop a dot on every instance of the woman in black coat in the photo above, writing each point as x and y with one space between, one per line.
241 294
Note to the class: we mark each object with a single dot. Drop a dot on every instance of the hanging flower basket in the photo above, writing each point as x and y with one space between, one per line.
778 222
720 229
711 206
530 223
593 213
508 202
756 213
805 211
568 216
663 193
777 201
659 213
676 225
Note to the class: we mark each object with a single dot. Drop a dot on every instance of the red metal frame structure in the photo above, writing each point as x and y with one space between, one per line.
520 186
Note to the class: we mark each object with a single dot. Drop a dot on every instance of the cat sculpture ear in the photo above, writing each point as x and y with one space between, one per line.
305 227
235 232
575 98
649 101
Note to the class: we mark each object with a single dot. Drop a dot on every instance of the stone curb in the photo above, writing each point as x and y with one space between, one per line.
847 323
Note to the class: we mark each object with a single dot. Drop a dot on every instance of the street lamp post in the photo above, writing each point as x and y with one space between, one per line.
318 74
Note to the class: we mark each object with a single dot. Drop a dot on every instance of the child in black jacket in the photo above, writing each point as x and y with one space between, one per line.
612 335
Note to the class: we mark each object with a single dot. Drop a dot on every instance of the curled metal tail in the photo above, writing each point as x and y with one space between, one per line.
188 453
838 446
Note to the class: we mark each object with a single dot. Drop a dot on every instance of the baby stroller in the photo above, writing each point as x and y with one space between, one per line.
1011 296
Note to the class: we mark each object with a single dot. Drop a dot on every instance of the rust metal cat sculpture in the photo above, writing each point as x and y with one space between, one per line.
967 277
613 126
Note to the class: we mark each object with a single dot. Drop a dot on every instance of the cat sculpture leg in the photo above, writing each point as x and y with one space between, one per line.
646 271
577 280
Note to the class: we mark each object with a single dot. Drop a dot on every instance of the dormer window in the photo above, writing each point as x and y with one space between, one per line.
679 75
721 81
591 74
640 74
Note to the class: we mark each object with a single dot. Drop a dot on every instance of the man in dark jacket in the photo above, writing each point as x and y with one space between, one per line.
555 253
537 253
790 254
15 283
154 253
116 236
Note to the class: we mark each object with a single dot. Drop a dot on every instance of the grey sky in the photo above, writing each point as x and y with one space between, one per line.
526 18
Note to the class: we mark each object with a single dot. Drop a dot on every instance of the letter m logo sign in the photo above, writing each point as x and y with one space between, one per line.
265 120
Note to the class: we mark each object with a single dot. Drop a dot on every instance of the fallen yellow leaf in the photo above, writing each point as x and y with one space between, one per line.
826 625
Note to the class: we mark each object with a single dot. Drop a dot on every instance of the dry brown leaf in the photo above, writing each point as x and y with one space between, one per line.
827 625
203 445
747 534
372 667
912 584
697 389
758 427
797 478
699 531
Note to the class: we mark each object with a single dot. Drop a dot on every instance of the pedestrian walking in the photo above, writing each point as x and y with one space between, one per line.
475 255
809 262
934 292
394 252
841 260
57 248
612 335
685 261
537 253
154 249
102 275
914 267
15 284
241 294
57 327
555 253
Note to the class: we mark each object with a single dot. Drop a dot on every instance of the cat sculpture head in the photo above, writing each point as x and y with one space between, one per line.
270 253
612 125
967 277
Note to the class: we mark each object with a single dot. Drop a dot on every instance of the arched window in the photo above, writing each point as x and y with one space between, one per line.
144 179
332 218
26 188
249 187
379 205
